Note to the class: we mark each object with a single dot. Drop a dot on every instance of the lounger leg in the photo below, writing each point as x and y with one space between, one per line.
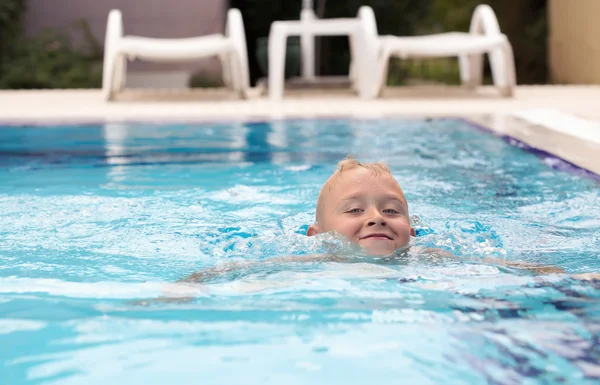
475 70
239 75
225 70
381 72
234 75
365 68
120 73
239 58
502 69
511 76
276 63
367 55
114 31
307 43
483 22
466 75
357 57
108 76
353 75
307 47
243 72
225 59
352 68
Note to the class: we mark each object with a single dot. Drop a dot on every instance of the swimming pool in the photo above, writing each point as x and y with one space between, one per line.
96 218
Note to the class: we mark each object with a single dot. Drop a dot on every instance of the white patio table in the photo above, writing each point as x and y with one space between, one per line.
307 28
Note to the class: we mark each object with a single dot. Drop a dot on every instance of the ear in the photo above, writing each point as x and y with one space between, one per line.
313 230
412 232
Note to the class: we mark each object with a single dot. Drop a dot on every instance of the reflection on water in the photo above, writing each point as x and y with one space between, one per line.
113 144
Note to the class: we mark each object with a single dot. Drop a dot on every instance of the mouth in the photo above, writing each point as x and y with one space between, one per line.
377 236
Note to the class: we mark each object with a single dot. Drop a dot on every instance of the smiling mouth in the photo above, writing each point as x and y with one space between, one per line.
377 236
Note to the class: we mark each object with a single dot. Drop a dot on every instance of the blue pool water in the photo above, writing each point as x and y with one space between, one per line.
98 221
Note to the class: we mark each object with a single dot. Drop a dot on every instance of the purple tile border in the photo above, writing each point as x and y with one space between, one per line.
557 163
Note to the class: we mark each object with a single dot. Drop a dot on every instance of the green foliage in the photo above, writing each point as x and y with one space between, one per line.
397 17
523 21
450 15
11 15
394 17
529 36
437 70
50 60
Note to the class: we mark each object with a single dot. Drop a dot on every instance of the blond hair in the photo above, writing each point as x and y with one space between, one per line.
377 168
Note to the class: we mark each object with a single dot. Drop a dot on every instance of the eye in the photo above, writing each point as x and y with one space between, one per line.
355 211
391 211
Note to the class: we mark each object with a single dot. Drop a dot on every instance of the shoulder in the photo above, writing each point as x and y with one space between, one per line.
433 252
308 258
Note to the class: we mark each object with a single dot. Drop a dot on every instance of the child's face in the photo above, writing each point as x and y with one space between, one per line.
370 210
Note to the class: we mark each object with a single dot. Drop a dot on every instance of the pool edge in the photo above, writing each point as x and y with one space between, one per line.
522 129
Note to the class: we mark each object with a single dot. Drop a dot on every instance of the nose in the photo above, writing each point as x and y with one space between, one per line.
375 219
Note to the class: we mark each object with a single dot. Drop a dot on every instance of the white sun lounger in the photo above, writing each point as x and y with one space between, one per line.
484 37
229 47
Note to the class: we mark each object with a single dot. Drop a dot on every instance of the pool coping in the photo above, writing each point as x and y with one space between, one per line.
534 131
560 151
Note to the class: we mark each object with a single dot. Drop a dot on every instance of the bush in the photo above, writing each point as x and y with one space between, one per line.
11 15
50 60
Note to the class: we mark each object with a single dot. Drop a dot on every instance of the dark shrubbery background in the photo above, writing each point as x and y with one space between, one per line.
50 60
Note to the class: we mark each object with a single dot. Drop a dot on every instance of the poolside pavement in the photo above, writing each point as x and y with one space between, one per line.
142 105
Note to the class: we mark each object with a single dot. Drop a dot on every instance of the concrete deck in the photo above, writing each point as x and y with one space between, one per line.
562 120
84 105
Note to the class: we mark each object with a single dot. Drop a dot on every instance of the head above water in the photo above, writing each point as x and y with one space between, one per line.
365 204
